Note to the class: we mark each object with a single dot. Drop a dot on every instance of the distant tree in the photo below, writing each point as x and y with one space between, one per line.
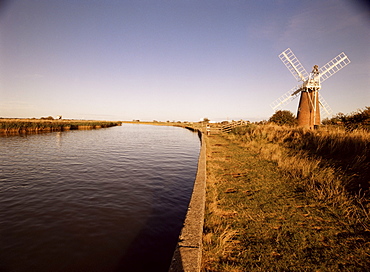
283 117
47 118
206 120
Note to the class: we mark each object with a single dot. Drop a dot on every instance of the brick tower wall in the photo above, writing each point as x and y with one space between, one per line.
305 113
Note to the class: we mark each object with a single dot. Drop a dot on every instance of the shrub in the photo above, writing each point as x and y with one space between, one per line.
283 117
352 121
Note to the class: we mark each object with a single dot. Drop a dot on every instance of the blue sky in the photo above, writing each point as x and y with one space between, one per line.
175 60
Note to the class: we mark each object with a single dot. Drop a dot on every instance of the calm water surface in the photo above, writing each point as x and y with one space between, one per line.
97 200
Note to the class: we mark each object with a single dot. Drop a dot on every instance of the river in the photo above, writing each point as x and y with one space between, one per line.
110 199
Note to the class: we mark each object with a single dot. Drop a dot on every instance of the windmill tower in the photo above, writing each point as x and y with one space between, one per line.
308 114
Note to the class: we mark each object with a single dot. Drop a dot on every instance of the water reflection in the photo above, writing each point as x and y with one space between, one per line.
58 136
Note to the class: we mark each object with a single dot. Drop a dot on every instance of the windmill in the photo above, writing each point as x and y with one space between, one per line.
308 114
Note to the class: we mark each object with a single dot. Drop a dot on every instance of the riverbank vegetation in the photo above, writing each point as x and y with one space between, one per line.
14 126
282 198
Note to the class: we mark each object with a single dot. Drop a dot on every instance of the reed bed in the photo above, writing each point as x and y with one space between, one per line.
13 126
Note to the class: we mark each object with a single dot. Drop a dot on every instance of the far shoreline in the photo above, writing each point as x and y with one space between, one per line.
11 126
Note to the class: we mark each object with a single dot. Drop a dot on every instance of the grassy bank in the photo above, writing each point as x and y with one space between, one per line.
314 155
10 126
281 199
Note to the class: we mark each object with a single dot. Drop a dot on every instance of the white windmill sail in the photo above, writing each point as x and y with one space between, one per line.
325 110
293 65
286 98
333 66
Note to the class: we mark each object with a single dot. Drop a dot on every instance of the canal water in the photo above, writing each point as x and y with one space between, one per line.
97 200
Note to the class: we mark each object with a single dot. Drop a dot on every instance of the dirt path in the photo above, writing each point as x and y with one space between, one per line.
258 219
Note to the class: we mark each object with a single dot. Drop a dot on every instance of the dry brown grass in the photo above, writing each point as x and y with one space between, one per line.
334 164
275 204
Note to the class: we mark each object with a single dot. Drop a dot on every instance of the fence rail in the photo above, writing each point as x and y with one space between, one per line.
234 124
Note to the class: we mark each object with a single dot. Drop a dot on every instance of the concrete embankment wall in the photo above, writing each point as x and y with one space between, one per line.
188 252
